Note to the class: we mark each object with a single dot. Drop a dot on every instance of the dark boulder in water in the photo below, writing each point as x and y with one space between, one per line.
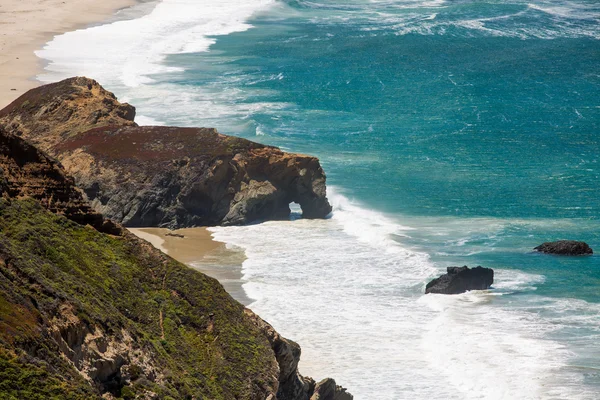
565 248
461 279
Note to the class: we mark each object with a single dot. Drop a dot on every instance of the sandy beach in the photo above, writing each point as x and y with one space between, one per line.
26 25
196 248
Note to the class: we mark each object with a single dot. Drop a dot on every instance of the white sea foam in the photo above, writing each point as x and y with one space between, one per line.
351 294
125 55
133 50
567 9
489 352
560 18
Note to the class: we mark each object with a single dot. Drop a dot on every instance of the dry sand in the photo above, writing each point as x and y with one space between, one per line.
26 25
198 250
195 244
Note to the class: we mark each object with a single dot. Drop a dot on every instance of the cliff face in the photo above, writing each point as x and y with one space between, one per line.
87 315
162 176
90 315
25 171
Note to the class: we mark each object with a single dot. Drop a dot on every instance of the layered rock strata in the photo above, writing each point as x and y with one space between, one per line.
25 172
162 176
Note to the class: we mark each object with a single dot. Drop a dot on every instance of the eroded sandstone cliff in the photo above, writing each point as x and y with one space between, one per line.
162 176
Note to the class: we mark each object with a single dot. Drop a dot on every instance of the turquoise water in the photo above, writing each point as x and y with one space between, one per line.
452 133
486 124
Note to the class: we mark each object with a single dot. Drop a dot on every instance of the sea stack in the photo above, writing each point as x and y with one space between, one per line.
565 248
461 279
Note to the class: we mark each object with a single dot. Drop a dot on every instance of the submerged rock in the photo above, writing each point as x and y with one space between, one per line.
461 279
162 176
565 248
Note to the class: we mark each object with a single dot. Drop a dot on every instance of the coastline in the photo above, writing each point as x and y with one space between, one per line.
22 34
196 248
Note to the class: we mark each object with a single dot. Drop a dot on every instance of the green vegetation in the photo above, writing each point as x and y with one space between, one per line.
189 338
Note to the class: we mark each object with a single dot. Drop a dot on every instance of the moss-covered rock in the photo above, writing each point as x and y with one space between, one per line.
84 313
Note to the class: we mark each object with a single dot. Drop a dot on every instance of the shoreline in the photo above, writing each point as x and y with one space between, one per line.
196 248
23 34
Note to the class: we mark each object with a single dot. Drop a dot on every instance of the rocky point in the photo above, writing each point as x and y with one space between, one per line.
162 176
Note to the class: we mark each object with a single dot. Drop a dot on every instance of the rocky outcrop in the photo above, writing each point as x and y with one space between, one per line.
565 248
85 315
163 176
49 114
178 177
461 279
104 359
25 171
292 385
327 389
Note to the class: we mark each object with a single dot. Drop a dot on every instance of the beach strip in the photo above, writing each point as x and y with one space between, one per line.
196 248
26 25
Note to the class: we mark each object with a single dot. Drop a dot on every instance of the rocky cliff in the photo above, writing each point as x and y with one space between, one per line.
86 315
26 171
162 176
51 113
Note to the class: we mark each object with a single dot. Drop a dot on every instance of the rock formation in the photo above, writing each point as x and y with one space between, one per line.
85 315
565 248
162 176
461 279
49 114
292 385
327 389
25 171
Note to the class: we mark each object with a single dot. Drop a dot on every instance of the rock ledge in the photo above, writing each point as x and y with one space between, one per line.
162 176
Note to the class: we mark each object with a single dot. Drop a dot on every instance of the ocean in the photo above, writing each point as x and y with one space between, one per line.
452 132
